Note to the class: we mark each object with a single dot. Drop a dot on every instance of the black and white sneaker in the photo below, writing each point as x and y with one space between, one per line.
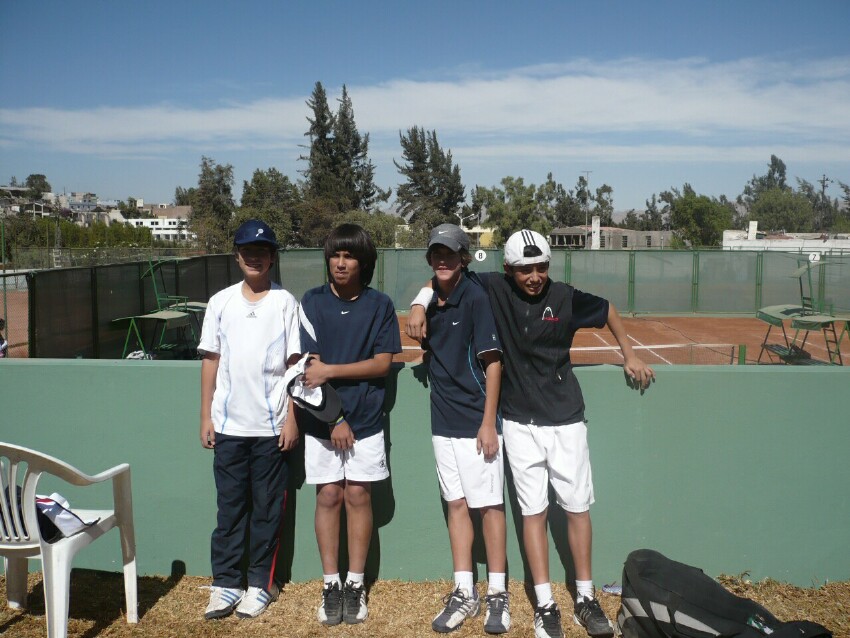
330 611
460 605
497 617
589 615
547 621
354 608
223 600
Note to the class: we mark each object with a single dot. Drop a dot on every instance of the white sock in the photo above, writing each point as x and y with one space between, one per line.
356 579
464 581
544 594
584 589
495 583
332 578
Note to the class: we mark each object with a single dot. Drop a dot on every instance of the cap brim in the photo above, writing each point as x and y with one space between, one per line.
449 243
330 408
267 242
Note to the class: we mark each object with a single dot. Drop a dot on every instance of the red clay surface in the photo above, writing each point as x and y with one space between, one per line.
660 331
642 330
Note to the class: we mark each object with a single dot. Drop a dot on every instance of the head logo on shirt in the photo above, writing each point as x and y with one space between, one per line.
548 315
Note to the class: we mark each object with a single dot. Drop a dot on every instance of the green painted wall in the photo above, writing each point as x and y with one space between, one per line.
731 468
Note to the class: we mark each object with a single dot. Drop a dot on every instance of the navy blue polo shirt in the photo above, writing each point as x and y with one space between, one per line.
342 331
538 383
458 333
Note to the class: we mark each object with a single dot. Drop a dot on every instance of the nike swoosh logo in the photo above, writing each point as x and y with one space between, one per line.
454 323
442 232
344 312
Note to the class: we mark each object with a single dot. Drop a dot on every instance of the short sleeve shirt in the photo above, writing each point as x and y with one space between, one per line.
459 332
538 383
342 331
253 341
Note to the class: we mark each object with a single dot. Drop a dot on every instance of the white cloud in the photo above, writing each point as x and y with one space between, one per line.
619 110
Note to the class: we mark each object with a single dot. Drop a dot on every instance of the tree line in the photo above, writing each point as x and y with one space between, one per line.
337 185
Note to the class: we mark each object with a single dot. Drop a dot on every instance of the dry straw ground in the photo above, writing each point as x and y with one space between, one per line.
174 608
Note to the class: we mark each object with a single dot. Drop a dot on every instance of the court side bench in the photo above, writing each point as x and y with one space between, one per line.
163 322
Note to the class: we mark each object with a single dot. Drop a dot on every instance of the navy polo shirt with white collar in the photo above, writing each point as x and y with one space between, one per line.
459 332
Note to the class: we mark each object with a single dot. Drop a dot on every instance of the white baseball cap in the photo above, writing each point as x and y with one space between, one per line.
526 247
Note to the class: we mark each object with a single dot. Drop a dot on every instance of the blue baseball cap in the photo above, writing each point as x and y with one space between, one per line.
255 231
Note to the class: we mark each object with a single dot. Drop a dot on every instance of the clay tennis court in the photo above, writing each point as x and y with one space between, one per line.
652 336
646 331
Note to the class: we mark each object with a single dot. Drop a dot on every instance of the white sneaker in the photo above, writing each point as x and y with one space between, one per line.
223 600
256 601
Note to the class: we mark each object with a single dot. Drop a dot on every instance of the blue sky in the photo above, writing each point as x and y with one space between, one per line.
123 98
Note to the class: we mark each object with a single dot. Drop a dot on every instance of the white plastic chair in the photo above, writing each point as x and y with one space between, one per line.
20 538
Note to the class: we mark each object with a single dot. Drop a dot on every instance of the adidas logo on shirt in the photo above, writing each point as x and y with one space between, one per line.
251 315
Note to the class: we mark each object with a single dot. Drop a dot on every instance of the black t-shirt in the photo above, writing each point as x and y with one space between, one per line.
538 383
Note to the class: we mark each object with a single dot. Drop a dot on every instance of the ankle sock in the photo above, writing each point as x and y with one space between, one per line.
584 589
544 594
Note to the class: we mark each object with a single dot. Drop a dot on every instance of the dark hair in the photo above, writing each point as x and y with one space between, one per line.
354 239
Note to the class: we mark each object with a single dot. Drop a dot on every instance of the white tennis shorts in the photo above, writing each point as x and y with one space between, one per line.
540 455
464 473
366 461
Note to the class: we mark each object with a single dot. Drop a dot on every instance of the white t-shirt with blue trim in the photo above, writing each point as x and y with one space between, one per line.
254 341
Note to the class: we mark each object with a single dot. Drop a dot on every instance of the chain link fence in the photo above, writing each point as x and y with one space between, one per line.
14 310
33 258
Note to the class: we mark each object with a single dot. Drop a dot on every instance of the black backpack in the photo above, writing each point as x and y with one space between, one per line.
665 599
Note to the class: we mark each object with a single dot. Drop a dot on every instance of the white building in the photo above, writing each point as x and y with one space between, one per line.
805 243
170 223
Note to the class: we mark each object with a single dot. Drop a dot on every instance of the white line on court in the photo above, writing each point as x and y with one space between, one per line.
602 339
649 349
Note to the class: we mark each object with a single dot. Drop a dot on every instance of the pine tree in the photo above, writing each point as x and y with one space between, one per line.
433 185
353 167
320 174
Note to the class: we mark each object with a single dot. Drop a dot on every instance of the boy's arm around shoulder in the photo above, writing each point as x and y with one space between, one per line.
633 366
417 325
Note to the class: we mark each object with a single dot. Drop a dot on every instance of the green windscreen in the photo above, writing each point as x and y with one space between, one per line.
73 310
603 273
663 281
725 281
